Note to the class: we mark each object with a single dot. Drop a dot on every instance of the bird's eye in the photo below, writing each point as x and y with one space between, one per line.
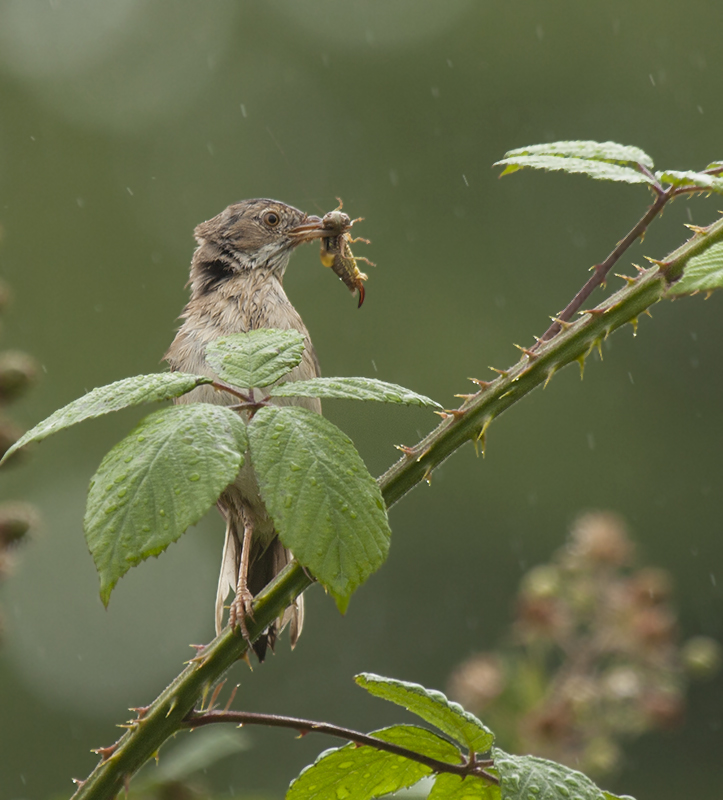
271 218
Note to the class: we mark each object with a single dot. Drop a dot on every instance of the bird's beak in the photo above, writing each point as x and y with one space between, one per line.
311 228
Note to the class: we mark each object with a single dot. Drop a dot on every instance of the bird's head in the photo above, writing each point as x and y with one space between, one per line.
251 235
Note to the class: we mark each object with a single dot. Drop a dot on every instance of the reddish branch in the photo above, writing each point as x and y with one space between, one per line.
468 766
601 271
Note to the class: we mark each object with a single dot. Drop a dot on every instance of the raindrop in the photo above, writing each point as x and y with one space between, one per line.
194 476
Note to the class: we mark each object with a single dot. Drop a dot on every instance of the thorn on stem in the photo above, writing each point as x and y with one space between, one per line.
481 384
581 361
408 451
480 440
231 698
503 372
105 752
529 353
549 377
215 694
563 323
171 708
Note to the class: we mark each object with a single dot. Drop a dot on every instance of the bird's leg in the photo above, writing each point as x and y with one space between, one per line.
241 606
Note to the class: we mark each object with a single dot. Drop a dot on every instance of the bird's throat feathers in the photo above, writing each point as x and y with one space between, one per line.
216 269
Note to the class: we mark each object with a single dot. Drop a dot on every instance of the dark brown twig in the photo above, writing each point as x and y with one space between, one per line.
468 766
601 271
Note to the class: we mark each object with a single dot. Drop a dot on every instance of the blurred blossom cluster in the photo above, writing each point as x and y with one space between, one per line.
594 656
18 372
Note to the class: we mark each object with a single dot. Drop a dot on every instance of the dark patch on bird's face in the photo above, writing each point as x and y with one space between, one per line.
211 274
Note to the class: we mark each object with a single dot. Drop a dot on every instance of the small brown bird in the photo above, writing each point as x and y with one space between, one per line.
236 286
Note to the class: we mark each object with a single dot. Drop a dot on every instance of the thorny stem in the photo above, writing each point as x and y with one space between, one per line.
602 270
469 766
574 342
155 724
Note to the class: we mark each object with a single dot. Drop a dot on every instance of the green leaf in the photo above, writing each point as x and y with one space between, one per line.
452 787
420 740
598 170
592 151
257 358
158 481
433 707
709 183
702 273
362 772
113 397
352 389
326 506
522 777
611 796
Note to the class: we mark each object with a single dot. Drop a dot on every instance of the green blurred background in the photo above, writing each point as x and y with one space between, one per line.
123 124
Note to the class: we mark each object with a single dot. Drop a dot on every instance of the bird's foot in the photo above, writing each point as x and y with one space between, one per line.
241 610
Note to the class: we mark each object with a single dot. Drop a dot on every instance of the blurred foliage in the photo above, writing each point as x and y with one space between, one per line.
594 656
18 372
